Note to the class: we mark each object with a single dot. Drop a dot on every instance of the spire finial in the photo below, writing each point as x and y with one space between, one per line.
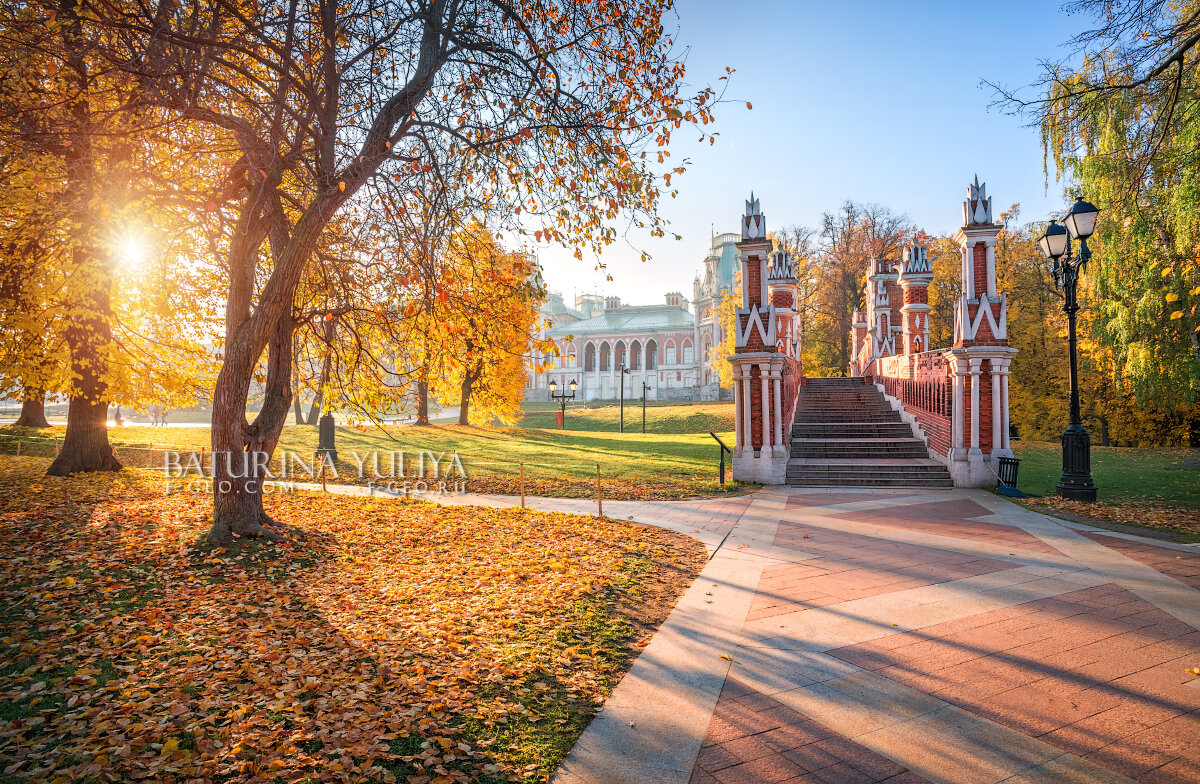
754 225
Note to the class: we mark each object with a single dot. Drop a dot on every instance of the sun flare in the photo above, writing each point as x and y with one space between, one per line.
132 251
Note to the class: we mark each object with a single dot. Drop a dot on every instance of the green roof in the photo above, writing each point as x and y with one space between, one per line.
648 318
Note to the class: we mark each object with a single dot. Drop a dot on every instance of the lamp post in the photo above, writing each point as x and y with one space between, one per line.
1076 482
621 379
564 397
645 389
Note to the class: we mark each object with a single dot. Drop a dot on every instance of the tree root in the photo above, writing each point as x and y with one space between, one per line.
288 532
69 463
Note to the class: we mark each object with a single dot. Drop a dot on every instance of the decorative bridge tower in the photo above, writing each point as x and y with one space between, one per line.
980 359
766 366
914 278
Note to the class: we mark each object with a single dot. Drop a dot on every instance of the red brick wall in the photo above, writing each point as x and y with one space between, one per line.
923 385
754 281
979 268
916 295
754 341
781 298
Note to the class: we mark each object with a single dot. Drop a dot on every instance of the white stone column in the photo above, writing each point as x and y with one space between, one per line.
968 274
957 429
778 412
737 410
997 419
1004 403
764 373
747 408
991 266
975 370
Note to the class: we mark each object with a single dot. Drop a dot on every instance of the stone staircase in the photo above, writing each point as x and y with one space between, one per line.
845 433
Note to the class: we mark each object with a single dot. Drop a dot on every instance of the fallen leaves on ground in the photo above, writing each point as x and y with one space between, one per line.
402 641
1173 518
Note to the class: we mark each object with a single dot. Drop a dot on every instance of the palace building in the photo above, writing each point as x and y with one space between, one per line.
667 347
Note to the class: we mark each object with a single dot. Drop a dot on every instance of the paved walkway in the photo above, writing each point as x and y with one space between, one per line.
935 636
843 636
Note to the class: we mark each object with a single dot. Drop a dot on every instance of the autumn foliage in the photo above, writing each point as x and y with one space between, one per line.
406 642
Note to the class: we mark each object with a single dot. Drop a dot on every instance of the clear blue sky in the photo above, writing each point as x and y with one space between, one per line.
871 101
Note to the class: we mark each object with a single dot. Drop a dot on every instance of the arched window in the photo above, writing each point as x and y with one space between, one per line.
651 355
635 355
589 358
620 355
605 357
689 352
669 350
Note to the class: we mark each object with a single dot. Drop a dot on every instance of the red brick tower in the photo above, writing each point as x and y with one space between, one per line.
765 359
981 356
915 276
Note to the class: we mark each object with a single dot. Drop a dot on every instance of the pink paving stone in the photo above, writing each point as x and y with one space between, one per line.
1184 567
850 566
825 499
1097 685
795 750
951 518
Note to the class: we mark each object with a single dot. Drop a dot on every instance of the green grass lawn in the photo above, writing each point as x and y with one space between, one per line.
676 418
675 457
1141 475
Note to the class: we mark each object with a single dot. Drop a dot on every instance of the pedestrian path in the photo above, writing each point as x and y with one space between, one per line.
912 636
845 635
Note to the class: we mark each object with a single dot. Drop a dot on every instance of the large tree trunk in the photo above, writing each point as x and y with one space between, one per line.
422 403
33 409
89 326
241 450
85 448
464 402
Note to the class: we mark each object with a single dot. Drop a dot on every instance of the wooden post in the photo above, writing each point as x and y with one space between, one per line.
18 447
599 498
522 485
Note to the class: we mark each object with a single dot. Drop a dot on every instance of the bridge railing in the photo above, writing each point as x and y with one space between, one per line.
922 385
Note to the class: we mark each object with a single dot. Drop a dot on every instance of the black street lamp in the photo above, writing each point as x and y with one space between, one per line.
564 397
1076 482
645 389
621 379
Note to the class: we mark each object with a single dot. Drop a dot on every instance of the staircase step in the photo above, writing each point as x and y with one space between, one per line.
845 433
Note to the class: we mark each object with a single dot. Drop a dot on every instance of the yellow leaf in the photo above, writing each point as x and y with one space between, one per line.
1166 272
342 187
69 582
170 746
1172 297
1177 314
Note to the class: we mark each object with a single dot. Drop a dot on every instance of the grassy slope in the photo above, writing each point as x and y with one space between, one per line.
676 457
1121 474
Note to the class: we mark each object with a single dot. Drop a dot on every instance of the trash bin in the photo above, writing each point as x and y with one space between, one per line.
1008 471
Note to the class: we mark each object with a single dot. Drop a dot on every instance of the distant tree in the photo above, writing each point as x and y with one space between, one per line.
1121 116
726 317
490 316
849 238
